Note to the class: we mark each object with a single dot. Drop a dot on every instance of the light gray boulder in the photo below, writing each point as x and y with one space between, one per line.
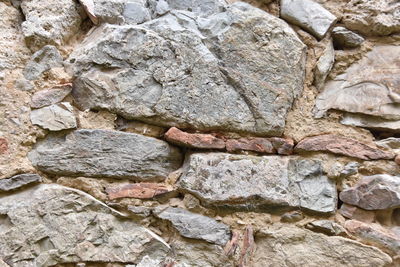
52 224
48 97
19 181
344 38
106 153
43 60
256 183
172 72
55 117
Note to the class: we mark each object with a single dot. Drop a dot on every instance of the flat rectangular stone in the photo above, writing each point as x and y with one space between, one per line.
19 181
138 190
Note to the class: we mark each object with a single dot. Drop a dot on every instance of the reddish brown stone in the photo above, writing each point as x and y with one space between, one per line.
284 146
397 159
343 146
232 244
247 247
3 145
255 144
204 141
139 190
355 213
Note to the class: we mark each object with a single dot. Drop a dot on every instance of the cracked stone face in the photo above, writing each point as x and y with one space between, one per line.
238 70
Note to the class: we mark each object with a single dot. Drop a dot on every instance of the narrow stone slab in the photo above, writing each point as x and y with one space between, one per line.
19 181
194 140
326 227
337 144
55 117
376 192
52 224
309 15
260 145
106 153
138 190
51 96
252 183
344 38
196 226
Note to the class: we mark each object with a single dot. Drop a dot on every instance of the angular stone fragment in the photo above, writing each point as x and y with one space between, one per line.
326 227
284 146
376 235
188 72
378 17
196 226
260 145
356 213
52 224
298 247
88 5
106 153
56 117
252 183
52 96
371 122
43 60
19 181
50 22
193 140
324 66
344 38
3 145
376 192
340 145
309 15
370 87
138 190
136 12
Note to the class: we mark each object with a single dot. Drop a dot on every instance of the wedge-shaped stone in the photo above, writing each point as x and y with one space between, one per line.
106 153
293 246
189 72
251 182
52 224
55 117
18 181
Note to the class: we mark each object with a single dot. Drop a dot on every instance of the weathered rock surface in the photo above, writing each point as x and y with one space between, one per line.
309 15
375 234
344 38
292 246
337 144
51 96
196 226
138 190
324 66
234 84
258 182
379 17
106 153
55 117
370 86
19 181
88 6
283 146
376 192
50 22
52 224
255 144
193 140
43 60
326 227
356 213
371 122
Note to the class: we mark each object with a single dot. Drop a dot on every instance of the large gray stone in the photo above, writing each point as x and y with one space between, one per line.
250 182
18 181
230 71
56 117
43 60
370 122
52 224
292 246
309 15
50 22
370 87
196 226
106 153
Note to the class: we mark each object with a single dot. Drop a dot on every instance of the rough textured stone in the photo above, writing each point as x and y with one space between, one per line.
283 146
371 122
260 145
213 76
3 146
344 38
56 117
43 60
292 246
324 66
196 226
88 5
356 213
51 224
378 17
139 127
326 227
19 181
376 192
337 144
309 15
292 216
139 190
375 234
370 86
50 22
52 96
397 159
194 140
251 182
106 153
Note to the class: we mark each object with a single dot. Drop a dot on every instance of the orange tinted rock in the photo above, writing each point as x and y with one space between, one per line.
3 145
340 145
193 140
284 146
139 190
255 144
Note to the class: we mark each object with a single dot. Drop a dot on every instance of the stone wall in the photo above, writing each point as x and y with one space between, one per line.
183 133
